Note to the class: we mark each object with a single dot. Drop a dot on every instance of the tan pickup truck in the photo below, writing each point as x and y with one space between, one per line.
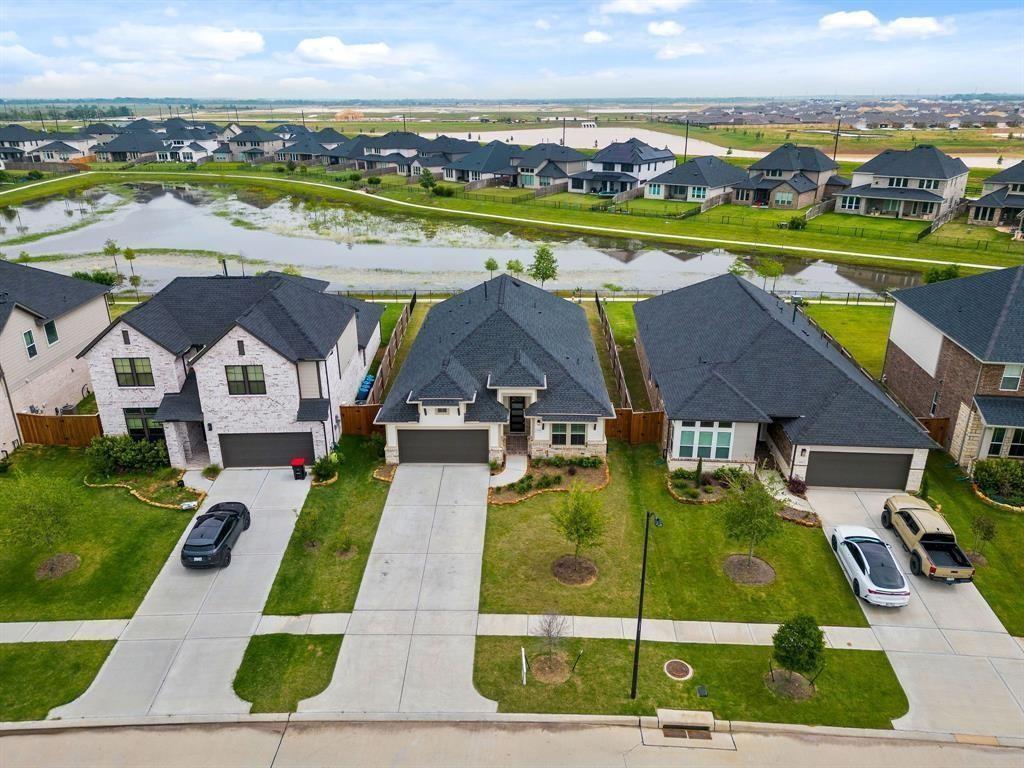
926 535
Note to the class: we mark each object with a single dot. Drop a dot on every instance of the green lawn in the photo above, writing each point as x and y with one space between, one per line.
685 579
961 229
1000 580
643 205
419 314
510 193
122 544
572 201
315 579
864 330
856 689
279 671
749 217
36 677
869 227
623 323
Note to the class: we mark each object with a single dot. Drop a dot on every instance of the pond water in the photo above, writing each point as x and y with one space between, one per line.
357 249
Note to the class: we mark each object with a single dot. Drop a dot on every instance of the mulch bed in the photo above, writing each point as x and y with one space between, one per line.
753 571
789 685
553 669
574 571
678 670
347 553
589 478
58 565
800 517
679 494
977 559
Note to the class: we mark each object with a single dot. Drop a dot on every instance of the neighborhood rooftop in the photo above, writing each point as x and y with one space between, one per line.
921 162
42 293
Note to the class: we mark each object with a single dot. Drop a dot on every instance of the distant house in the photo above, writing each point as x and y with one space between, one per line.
328 137
956 352
305 149
1002 199
787 177
920 183
695 180
134 145
19 137
45 321
349 151
254 143
544 164
621 166
494 160
57 152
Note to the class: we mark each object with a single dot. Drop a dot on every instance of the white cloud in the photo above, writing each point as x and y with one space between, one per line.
595 37
542 24
643 7
669 52
665 28
903 28
171 11
331 51
128 41
18 55
60 41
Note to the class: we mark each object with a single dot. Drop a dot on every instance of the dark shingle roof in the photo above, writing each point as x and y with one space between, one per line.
314 409
1001 198
45 294
725 350
983 313
837 181
181 406
538 153
790 157
492 329
632 151
490 158
1012 175
451 145
304 145
893 193
1001 411
254 134
398 140
57 146
15 132
702 172
136 141
329 136
922 162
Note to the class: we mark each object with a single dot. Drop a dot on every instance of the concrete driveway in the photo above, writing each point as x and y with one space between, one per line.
410 642
179 653
961 670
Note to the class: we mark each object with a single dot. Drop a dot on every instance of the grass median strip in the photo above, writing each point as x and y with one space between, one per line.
36 677
279 671
856 689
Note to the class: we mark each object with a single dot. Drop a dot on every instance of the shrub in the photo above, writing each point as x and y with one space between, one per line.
110 454
1001 478
708 489
279 169
443 191
523 484
732 477
798 222
494 464
588 462
571 471
796 486
324 469
548 481
373 181
379 442
5 466
290 165
799 645
101 276
212 472
707 478
34 175
354 176
683 475
691 493
698 472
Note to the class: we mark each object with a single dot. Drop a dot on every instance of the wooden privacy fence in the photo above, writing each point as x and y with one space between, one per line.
938 429
387 359
622 390
358 420
76 431
636 427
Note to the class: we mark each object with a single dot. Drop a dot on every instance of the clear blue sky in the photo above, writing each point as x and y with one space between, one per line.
508 50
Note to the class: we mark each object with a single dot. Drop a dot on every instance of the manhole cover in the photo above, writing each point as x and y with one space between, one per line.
678 670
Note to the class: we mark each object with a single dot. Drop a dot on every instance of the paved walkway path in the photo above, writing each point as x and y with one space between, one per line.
515 468
179 653
410 642
545 222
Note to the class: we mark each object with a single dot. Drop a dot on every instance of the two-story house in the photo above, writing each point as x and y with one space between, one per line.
919 183
503 367
787 177
236 371
1002 200
45 321
695 181
253 144
621 166
545 164
956 352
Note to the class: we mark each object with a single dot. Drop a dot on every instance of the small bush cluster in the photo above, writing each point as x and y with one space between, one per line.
798 222
324 468
212 472
379 442
354 176
442 191
796 486
373 181
110 454
587 462
733 477
101 276
1001 479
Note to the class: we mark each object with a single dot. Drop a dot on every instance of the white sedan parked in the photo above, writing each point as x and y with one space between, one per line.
869 565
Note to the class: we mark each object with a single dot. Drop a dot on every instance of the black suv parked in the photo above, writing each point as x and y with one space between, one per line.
215 532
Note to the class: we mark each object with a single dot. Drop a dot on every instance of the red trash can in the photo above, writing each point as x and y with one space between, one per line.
299 468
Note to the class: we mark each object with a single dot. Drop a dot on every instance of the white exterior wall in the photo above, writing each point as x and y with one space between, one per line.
744 444
540 439
353 369
168 376
921 340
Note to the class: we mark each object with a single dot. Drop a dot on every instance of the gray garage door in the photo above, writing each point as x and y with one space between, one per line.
858 470
443 446
275 449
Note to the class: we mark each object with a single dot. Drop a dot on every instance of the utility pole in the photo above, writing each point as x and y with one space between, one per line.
563 131
640 608
686 140
835 147
236 113
192 112
303 113
403 123
39 114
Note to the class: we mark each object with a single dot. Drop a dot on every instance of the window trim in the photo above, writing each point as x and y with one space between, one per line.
1002 380
995 446
149 432
31 348
720 437
46 332
134 372
1016 449
246 382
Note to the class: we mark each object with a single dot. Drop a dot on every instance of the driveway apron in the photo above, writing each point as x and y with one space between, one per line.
180 652
961 670
411 639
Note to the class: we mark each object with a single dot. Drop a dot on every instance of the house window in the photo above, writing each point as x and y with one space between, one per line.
245 380
626 167
1016 189
125 338
784 198
141 426
890 206
133 371
1017 444
655 189
568 434
995 445
773 173
526 179
607 166
441 411
849 203
241 347
578 434
743 194
699 193
1011 378
30 344
558 434
984 214
577 183
51 333
545 181
897 182
705 439
935 403
927 183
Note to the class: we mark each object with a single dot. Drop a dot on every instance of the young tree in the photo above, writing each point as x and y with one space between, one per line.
129 256
427 179
938 274
514 267
111 249
553 628
769 268
544 266
492 266
579 519
799 645
984 529
751 516
738 267
40 510
699 472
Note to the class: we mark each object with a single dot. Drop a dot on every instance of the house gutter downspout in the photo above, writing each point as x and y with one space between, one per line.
792 461
10 404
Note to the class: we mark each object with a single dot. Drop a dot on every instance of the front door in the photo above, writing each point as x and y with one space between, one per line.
517 415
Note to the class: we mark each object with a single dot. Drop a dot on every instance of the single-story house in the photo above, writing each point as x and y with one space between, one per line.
494 160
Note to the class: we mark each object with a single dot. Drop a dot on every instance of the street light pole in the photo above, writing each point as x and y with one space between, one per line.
640 608
686 141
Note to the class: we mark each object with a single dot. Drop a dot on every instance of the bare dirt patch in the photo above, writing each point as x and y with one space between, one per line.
753 571
574 571
346 553
311 545
58 565
977 559
789 685
551 669
678 670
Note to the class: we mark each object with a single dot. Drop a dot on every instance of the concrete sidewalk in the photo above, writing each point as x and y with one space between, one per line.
410 642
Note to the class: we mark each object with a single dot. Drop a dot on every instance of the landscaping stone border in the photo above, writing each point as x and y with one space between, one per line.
334 479
177 507
704 498
563 488
993 503
385 473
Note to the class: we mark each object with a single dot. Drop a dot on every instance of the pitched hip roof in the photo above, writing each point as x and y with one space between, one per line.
983 313
893 193
490 158
632 151
1012 175
921 162
702 172
42 293
790 157
502 327
538 153
724 350
1001 198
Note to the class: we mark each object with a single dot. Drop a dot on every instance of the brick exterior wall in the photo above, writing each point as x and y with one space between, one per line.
991 375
